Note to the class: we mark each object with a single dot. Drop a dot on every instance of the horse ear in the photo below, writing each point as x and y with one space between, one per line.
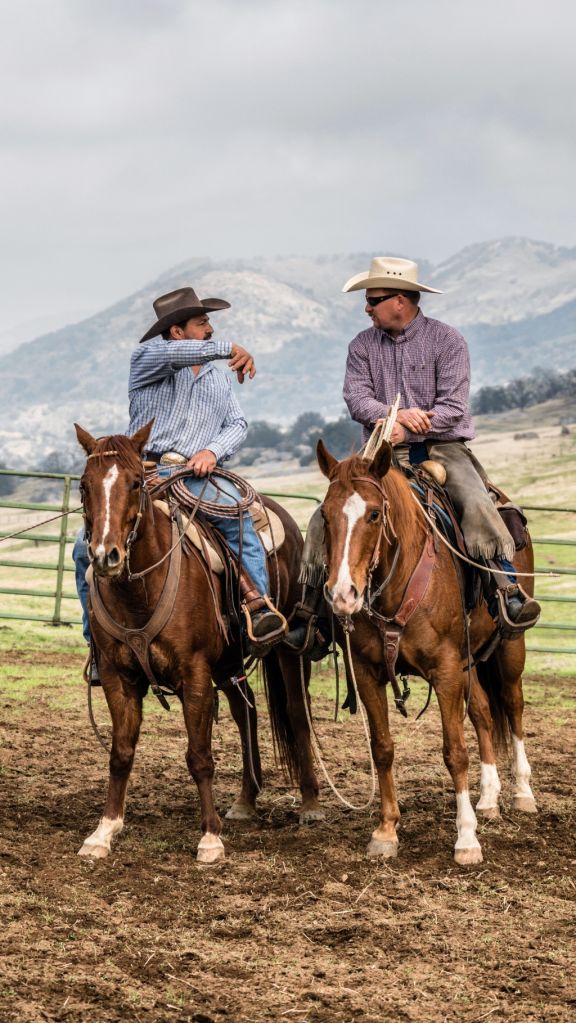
140 438
326 461
381 462
85 439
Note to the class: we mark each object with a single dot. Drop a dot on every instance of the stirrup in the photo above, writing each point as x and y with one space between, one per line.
262 605
90 672
510 629
310 641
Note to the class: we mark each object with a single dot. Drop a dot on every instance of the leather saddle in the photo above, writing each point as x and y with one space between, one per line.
267 523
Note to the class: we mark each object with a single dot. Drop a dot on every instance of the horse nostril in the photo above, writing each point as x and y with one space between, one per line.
113 558
90 553
354 592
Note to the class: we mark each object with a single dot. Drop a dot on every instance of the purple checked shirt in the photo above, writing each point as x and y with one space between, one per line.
428 363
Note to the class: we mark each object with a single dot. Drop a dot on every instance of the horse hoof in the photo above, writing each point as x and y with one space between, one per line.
311 816
525 803
97 852
488 812
210 849
376 847
241 812
468 857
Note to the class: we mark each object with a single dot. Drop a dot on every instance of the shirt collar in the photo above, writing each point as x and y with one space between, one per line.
410 331
206 368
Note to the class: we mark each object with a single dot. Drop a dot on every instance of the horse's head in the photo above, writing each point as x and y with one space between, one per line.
354 511
113 491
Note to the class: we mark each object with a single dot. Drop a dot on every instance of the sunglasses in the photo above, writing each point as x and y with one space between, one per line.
373 302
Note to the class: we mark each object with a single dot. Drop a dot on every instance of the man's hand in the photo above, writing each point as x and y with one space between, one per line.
414 419
242 363
202 463
398 435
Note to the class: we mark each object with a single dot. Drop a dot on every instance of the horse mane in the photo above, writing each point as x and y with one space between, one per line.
404 516
122 447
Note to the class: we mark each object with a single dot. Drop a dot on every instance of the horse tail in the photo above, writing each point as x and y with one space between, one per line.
283 737
491 679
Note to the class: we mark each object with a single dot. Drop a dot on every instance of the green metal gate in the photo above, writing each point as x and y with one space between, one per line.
55 542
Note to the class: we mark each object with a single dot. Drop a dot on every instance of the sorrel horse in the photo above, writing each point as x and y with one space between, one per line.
187 653
376 536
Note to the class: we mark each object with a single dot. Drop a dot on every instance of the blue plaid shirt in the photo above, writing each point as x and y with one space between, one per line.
190 412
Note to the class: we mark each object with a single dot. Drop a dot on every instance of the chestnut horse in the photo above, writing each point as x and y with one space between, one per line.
187 653
376 534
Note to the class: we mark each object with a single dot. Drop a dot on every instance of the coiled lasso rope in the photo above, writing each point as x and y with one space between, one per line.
223 511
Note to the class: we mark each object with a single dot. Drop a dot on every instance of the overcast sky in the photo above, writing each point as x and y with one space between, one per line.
138 133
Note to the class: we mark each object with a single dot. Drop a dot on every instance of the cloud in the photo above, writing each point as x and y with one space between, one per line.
134 135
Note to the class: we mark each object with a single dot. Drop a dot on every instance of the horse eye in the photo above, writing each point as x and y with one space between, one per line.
136 485
374 516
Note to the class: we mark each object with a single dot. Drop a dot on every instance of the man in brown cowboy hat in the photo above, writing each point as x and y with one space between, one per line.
198 423
427 363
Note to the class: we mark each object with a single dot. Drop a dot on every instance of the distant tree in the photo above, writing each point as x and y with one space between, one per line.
342 437
540 385
263 435
304 425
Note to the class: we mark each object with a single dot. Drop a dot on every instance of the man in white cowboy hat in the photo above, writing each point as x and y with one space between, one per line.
428 364
198 423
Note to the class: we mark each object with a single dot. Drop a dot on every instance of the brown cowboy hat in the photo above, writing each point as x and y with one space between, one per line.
178 306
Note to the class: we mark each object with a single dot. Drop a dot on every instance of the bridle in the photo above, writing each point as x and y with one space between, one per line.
144 499
385 532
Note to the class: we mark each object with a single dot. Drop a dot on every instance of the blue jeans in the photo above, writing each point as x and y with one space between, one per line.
253 553
81 561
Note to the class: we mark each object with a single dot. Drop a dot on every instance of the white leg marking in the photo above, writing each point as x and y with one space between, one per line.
489 787
522 772
99 843
210 849
108 482
353 509
467 849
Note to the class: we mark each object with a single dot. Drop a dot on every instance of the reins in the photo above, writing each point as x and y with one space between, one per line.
469 561
316 745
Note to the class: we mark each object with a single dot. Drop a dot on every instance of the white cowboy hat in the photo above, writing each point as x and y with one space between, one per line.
389 272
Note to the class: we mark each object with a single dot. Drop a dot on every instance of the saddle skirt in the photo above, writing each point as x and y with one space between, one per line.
267 524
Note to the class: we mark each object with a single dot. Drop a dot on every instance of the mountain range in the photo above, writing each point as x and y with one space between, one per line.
514 299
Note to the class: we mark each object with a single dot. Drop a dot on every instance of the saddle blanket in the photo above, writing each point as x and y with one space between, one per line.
271 535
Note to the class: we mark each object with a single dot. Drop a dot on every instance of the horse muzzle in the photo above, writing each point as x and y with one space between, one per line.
106 562
344 600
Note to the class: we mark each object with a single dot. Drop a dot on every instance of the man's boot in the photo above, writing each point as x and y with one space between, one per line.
265 625
309 634
517 612
91 673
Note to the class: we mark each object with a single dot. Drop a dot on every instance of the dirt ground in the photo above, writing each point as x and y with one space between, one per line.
297 924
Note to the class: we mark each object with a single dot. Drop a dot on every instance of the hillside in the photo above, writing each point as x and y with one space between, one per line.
514 299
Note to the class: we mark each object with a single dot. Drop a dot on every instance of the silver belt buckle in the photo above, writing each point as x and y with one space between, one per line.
172 458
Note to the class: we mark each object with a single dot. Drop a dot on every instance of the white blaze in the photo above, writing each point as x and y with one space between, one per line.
108 482
353 509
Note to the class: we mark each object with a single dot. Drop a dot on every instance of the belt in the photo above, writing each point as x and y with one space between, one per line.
166 457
